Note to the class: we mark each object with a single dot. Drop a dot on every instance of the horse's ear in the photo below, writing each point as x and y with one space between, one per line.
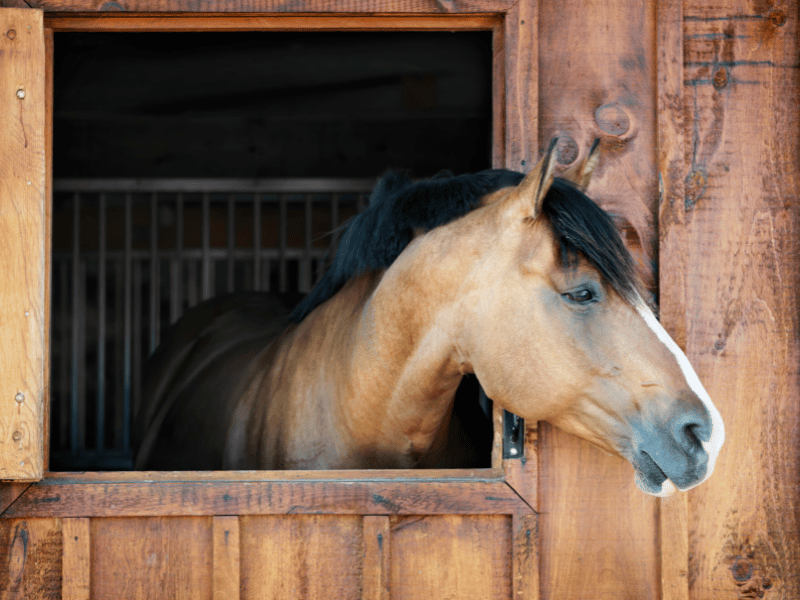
534 187
580 174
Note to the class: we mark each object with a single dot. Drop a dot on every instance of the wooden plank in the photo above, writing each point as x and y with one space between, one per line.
278 6
453 556
314 556
22 255
377 553
275 22
48 246
226 566
673 536
30 559
151 558
75 562
596 528
71 498
742 256
525 568
10 491
522 86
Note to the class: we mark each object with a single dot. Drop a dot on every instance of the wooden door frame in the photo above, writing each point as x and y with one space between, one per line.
509 487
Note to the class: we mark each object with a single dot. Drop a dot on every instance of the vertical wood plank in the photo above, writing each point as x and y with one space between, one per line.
597 530
522 85
48 252
22 243
742 204
148 558
30 559
377 553
673 534
294 556
226 567
525 575
75 565
454 556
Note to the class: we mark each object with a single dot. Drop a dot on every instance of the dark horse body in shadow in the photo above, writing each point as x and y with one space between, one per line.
521 280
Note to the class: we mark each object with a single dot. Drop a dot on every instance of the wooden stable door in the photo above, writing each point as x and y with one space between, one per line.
695 103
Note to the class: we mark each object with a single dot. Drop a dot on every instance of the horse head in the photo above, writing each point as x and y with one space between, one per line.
558 331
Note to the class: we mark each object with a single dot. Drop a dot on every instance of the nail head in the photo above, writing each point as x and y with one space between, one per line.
20 397
16 436
20 94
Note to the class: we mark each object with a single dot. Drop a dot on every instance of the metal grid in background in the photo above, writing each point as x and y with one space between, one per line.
113 239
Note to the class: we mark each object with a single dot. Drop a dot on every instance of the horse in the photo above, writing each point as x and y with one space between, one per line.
521 280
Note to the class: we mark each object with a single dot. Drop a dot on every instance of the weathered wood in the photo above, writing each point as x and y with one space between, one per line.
377 552
151 558
454 556
76 559
314 556
673 537
22 254
93 497
525 573
522 86
227 561
742 260
275 6
596 528
48 243
10 491
274 22
30 559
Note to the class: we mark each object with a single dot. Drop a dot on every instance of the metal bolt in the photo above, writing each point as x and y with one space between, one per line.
27 314
512 451
16 436
20 94
20 397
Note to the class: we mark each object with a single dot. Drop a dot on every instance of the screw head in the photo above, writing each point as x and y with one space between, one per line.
16 436
20 94
512 451
20 397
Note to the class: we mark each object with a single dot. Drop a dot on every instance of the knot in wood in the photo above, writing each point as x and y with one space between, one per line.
778 17
613 119
566 150
11 34
721 78
741 569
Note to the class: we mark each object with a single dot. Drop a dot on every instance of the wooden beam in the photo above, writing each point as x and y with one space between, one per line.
22 254
75 561
225 495
276 6
226 574
377 549
124 22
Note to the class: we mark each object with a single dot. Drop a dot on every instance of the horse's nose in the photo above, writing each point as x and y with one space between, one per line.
673 443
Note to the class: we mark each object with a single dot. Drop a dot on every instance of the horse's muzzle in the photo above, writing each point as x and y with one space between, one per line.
671 448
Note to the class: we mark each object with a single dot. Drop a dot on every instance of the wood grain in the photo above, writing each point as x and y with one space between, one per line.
454 556
10 491
22 243
276 6
377 553
49 43
314 556
151 558
673 535
525 568
30 559
742 228
226 559
272 22
138 498
596 528
76 559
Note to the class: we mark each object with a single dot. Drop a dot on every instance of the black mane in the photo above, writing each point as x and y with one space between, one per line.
399 207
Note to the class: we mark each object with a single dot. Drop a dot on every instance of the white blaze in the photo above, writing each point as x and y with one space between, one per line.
714 443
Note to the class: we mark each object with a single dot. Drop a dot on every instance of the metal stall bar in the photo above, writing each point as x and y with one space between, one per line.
155 264
77 398
306 272
231 239
126 376
101 324
257 285
176 279
136 385
282 243
206 277
64 412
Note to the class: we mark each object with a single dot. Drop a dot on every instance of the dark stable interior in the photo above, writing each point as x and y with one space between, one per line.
251 105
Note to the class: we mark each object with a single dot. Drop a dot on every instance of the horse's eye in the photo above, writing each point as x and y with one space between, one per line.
581 296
